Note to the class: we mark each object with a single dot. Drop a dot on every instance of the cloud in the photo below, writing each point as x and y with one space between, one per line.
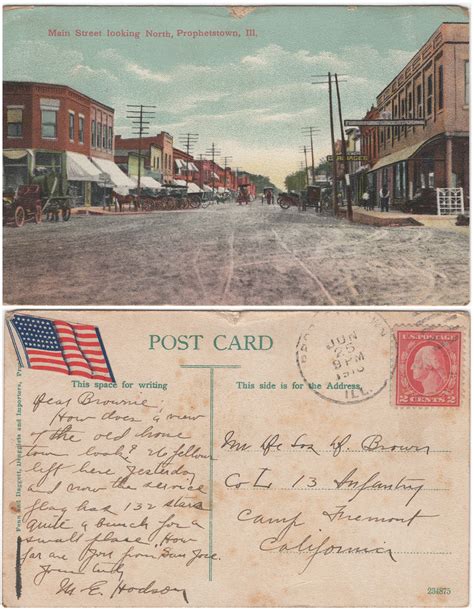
82 70
146 74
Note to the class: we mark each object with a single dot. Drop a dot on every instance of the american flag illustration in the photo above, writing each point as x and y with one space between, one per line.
62 347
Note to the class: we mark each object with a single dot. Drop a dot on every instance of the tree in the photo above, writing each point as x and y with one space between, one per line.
260 181
295 181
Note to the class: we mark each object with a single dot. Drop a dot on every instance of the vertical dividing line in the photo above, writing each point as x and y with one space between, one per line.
211 466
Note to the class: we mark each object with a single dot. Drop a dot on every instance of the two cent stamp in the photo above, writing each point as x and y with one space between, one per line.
428 368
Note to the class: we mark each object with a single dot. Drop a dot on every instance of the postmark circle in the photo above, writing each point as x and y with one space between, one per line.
340 350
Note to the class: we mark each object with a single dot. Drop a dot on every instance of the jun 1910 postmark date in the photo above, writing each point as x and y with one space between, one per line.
342 362
428 368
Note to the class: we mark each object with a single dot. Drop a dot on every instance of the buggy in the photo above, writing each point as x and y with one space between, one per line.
22 206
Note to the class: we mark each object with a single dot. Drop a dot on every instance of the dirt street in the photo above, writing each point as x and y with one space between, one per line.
232 255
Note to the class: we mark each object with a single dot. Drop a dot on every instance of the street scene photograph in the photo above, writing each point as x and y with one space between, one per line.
217 155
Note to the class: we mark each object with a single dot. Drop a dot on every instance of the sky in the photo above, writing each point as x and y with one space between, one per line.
251 96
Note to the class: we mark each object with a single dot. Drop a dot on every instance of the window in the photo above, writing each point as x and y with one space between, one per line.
93 133
410 105
429 97
49 120
419 103
81 130
440 87
111 138
104 136
14 122
99 134
466 82
71 126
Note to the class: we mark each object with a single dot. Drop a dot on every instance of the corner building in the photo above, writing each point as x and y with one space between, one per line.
433 86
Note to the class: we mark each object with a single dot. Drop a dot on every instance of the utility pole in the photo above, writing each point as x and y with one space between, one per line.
305 151
309 131
333 146
226 159
213 152
344 152
188 140
303 168
140 126
201 179
328 80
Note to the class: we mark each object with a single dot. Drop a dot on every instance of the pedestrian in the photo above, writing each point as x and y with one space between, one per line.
372 199
365 199
384 198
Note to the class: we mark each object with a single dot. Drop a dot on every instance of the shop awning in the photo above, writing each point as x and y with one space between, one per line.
80 168
15 154
148 182
179 183
207 188
398 156
117 178
182 164
193 188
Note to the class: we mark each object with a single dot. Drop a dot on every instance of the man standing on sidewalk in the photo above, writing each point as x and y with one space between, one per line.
384 198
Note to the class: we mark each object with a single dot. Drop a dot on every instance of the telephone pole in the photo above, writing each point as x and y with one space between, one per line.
201 179
226 159
213 152
140 126
305 151
188 141
344 152
309 131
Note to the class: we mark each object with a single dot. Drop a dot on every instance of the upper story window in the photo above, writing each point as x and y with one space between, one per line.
81 129
440 87
71 126
111 138
99 134
49 117
93 140
429 95
14 121
49 123
419 102
104 136
466 82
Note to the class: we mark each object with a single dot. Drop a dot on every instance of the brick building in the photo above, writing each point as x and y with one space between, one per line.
157 151
184 167
434 86
56 128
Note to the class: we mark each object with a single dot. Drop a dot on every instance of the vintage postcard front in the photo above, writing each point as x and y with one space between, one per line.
218 155
172 459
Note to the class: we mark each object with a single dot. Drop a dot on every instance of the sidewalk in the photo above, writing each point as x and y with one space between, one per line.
400 219
96 211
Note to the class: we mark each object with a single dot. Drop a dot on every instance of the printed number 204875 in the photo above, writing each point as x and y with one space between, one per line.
438 591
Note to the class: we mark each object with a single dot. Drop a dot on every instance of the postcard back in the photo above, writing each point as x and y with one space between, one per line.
172 459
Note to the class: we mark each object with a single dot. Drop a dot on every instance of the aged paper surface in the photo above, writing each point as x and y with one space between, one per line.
226 459
270 155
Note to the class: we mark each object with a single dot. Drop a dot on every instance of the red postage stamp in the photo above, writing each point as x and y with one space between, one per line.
428 368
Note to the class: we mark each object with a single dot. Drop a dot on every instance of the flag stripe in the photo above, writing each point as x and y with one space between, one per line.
56 345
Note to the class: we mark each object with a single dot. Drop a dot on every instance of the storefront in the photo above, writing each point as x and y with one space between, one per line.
81 175
17 168
112 179
438 162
